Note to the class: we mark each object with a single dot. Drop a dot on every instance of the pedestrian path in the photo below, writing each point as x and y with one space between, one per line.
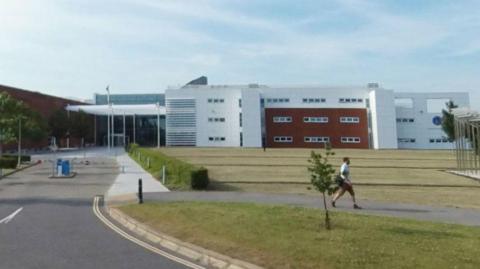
126 182
412 211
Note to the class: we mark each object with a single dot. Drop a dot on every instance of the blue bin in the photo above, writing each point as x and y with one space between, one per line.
66 168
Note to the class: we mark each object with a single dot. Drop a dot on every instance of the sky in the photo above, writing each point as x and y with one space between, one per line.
75 48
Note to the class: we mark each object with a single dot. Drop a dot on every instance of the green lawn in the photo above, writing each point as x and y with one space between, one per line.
290 165
285 171
292 237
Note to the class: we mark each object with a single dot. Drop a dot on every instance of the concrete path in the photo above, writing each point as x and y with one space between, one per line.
411 211
126 182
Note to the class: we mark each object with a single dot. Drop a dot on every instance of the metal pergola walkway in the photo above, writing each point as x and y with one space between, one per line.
467 141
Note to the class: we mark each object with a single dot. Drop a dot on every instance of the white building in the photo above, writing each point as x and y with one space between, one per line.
350 117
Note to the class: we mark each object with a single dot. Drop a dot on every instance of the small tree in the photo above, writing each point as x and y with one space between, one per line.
448 120
59 124
15 114
81 126
322 177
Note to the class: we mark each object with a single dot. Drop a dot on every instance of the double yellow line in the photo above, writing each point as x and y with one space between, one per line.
109 224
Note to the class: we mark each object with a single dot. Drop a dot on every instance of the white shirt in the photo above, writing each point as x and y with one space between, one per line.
345 171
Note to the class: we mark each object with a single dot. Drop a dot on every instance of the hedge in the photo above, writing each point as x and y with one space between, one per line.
23 158
199 179
180 175
8 162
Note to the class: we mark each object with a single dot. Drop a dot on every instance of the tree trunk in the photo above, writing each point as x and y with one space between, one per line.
327 217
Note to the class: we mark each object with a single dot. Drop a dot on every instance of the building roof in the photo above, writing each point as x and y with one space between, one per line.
150 109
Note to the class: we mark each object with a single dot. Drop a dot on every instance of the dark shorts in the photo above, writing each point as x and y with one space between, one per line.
347 187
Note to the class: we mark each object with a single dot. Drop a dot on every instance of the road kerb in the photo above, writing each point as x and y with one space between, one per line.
203 256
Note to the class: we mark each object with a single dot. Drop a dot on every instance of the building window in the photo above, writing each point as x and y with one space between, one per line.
215 100
405 120
440 140
239 102
316 139
350 100
240 119
315 119
281 119
216 119
216 138
278 100
283 139
349 119
406 140
350 140
313 100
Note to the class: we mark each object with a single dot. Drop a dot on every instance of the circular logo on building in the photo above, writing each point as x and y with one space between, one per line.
437 120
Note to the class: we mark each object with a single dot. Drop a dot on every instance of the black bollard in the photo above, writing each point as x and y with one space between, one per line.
140 191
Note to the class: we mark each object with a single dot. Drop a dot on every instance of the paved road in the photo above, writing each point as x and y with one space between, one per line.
55 226
438 214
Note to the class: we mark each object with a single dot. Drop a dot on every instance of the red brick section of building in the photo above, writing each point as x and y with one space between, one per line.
334 129
44 104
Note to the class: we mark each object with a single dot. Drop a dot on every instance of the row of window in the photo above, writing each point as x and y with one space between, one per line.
288 119
431 140
280 119
350 100
405 120
315 119
314 100
216 119
215 100
406 140
440 140
317 139
278 100
349 119
216 138
287 100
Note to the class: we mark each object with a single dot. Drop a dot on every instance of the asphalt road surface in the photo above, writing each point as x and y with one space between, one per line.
49 223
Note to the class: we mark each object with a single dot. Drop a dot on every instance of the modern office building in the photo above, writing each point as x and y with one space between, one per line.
305 116
256 115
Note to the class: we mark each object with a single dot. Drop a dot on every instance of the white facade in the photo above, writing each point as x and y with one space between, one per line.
418 119
233 115
381 116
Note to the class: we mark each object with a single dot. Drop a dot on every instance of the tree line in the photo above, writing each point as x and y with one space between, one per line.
17 120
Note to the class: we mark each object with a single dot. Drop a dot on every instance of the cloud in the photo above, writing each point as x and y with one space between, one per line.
150 43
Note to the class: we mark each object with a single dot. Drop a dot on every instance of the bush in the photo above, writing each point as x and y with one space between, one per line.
199 179
23 158
8 163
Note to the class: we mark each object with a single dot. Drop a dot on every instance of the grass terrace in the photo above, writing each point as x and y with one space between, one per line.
410 176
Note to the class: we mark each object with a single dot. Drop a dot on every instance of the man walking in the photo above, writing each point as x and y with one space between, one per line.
345 183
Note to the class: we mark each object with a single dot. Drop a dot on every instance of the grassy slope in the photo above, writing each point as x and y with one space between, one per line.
289 237
368 166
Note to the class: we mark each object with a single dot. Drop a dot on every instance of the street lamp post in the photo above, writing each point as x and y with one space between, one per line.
108 117
19 141
158 125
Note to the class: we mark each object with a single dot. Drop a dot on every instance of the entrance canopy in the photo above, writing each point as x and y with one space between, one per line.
120 110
